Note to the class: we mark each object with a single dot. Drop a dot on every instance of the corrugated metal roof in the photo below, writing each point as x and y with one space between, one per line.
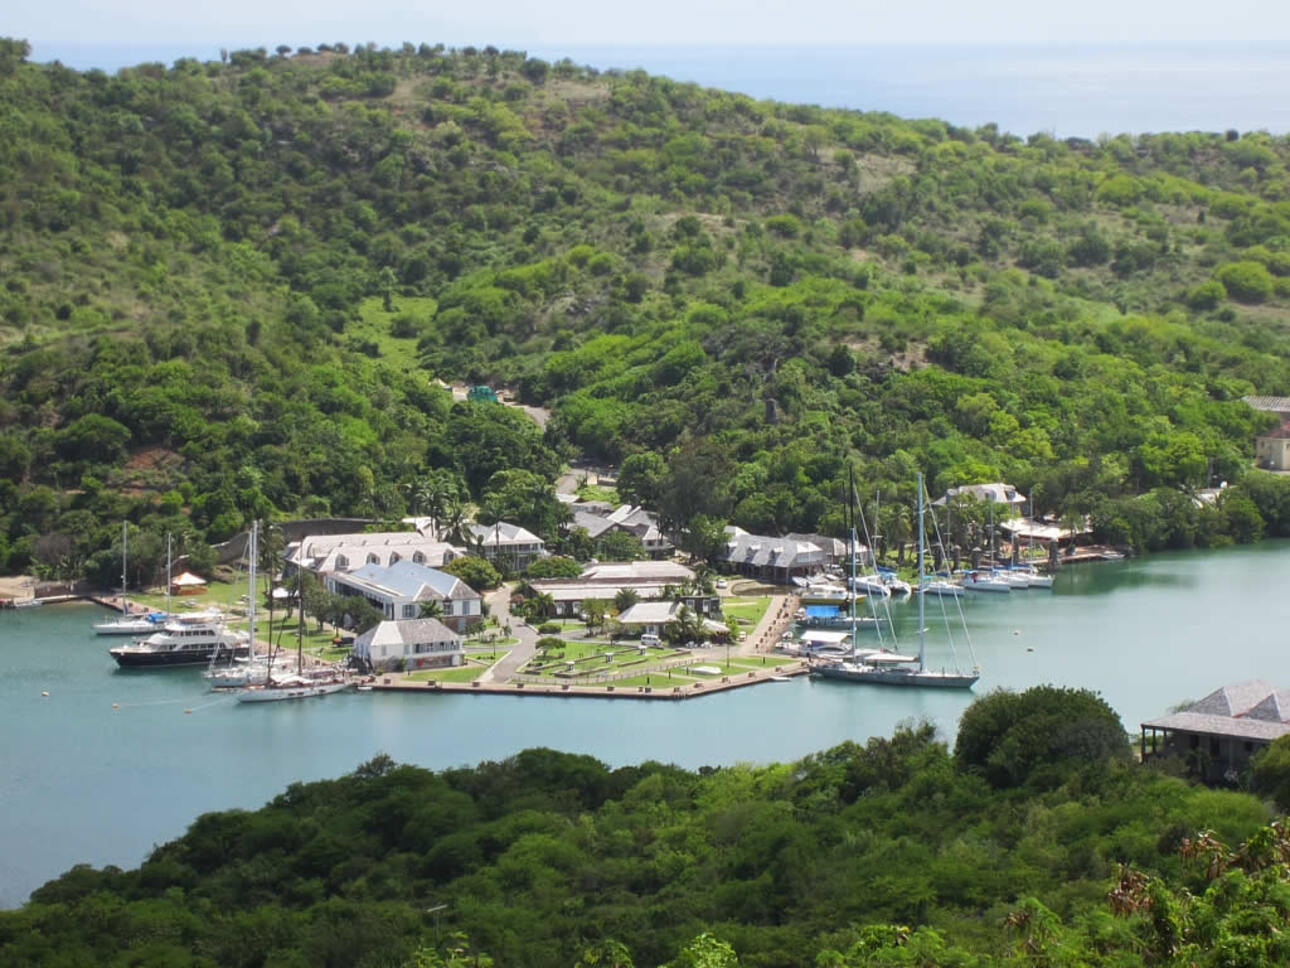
1245 728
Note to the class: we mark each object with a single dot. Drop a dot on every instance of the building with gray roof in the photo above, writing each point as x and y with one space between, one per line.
1217 735
399 589
771 559
510 543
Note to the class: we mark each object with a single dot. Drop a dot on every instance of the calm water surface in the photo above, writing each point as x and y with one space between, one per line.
81 782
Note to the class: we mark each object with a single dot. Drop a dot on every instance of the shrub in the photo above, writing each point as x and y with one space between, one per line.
1247 282
549 628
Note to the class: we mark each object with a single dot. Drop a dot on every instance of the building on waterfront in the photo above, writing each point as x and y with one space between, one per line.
648 579
1216 736
324 554
399 589
509 543
1272 450
771 559
421 643
835 550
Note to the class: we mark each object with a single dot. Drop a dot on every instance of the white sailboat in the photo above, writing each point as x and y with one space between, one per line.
892 668
130 624
284 687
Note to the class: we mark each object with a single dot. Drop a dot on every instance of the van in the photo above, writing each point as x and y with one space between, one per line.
649 640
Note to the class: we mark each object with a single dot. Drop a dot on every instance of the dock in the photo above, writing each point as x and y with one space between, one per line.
693 690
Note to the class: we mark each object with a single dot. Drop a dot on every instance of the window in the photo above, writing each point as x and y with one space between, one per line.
372 559
418 558
342 561
394 556
411 610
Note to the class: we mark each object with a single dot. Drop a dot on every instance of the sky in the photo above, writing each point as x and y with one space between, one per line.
58 29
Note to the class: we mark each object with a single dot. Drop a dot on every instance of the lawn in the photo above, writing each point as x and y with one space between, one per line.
466 673
598 492
747 611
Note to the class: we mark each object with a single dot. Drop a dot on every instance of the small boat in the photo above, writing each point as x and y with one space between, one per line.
822 594
781 678
981 581
873 585
897 586
944 589
1015 580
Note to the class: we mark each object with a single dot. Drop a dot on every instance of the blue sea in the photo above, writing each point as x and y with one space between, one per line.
1075 91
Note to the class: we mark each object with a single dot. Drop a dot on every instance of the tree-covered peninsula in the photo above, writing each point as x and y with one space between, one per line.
230 290
1034 842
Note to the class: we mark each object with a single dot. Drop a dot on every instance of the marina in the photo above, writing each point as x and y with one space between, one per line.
152 749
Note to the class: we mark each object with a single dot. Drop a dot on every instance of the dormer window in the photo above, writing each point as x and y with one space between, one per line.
342 561
418 558
372 559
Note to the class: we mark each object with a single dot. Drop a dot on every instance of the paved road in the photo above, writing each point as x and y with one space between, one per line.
499 607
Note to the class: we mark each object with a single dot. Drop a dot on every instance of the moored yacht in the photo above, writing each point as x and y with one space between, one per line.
184 641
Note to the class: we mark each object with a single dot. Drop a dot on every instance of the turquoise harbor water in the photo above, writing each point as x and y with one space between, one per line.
81 782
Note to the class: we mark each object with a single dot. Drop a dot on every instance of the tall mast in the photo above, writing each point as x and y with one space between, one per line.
168 572
851 516
250 602
125 531
922 633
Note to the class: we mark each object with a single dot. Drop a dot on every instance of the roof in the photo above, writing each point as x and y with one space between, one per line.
407 579
650 613
637 570
1277 433
833 547
321 553
1253 710
501 533
1045 531
998 493
1269 404
407 632
187 578
761 551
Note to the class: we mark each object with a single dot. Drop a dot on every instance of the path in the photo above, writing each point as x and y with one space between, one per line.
778 616
539 415
499 606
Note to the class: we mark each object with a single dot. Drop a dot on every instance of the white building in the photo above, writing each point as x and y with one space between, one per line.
603 582
1003 494
509 543
323 554
423 643
399 590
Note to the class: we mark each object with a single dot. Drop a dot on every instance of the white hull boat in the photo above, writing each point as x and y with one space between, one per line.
980 582
302 689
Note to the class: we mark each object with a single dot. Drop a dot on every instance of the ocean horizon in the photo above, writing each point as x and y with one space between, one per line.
1068 91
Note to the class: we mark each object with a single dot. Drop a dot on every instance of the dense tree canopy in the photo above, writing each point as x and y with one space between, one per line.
237 282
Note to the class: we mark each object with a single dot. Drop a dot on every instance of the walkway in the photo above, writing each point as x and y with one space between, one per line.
778 616
499 606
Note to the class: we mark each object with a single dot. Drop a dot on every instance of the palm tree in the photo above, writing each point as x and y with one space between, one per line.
625 599
433 608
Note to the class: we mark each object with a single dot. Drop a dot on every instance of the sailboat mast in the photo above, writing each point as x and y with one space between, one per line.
125 533
169 570
922 632
851 591
250 603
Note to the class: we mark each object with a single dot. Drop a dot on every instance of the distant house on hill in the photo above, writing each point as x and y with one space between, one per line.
1272 450
599 519
1002 494
510 543
1217 736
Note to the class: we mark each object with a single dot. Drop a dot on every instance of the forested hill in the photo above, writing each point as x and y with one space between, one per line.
228 289
1034 844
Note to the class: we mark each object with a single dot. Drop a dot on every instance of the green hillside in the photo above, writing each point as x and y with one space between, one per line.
1033 844
229 289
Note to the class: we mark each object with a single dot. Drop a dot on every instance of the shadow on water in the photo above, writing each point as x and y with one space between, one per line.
1103 578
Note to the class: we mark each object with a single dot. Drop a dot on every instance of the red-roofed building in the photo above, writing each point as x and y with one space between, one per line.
1272 450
